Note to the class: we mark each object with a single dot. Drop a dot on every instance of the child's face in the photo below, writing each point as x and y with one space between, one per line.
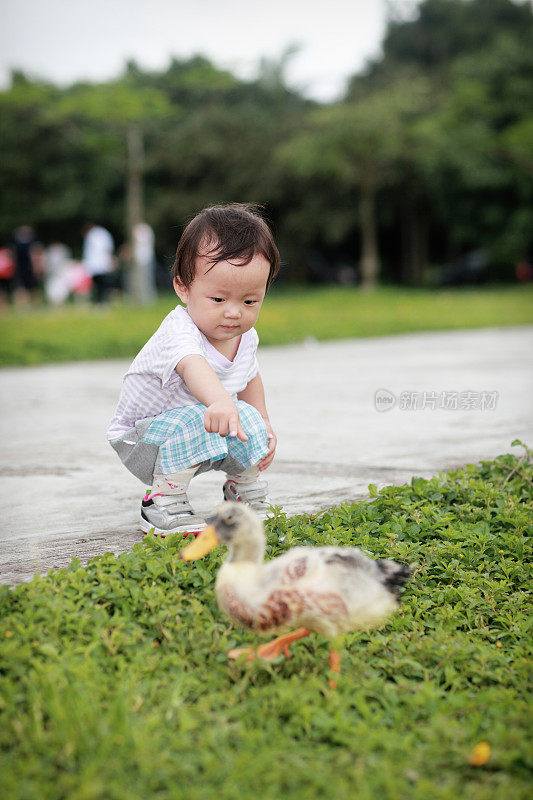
224 300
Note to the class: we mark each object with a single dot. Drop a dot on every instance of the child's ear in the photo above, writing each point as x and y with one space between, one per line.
181 290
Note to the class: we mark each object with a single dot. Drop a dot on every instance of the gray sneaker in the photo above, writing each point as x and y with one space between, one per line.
254 494
169 513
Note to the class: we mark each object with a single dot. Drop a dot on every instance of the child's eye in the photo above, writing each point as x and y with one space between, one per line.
218 299
250 302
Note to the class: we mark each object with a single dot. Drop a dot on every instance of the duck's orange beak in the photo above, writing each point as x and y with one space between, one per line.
203 544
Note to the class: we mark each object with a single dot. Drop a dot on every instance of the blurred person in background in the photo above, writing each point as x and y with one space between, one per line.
7 273
79 281
28 257
144 257
524 270
56 283
98 259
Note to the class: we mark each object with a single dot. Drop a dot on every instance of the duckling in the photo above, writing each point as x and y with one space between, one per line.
325 590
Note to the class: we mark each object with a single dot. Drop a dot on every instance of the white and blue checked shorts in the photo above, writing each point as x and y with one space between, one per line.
177 439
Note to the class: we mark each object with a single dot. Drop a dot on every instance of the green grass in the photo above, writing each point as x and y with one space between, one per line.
114 681
288 315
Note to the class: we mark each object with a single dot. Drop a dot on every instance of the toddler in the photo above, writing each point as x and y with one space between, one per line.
193 399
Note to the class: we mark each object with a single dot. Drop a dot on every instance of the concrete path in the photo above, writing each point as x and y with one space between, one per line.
64 492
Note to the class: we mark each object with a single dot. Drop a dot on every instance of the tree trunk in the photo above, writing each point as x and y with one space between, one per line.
135 210
414 243
419 237
369 264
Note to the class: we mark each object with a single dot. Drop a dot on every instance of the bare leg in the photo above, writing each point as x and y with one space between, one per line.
335 666
272 649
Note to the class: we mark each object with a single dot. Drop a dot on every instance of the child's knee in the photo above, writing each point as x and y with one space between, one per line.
251 420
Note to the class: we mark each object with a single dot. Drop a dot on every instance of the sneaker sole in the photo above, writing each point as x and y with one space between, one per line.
146 527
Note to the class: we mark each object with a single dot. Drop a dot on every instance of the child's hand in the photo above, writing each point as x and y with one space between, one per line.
222 417
272 442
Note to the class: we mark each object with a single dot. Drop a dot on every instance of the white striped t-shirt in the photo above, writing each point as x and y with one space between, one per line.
152 385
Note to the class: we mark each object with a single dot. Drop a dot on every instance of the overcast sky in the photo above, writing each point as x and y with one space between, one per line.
67 40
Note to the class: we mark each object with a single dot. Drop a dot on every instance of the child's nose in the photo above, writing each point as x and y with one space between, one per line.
232 311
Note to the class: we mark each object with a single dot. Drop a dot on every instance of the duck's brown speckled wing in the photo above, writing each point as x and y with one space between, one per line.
284 607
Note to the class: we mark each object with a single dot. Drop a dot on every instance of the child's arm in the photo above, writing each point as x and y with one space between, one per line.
254 394
221 415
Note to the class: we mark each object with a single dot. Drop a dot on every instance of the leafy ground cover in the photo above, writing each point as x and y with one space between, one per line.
288 315
114 681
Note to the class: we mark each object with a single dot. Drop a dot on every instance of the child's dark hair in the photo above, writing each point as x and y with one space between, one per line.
234 231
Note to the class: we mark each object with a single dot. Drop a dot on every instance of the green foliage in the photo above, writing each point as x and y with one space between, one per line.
113 102
288 315
114 681
517 142
469 159
446 29
357 143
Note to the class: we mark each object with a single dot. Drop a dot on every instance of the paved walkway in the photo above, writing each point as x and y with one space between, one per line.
64 492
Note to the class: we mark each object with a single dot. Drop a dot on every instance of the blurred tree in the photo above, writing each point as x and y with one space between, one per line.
359 145
442 30
220 151
516 143
121 112
32 190
469 153
187 84
474 152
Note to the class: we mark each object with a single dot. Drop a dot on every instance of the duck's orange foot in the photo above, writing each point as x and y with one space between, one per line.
276 647
335 666
267 652
248 651
273 649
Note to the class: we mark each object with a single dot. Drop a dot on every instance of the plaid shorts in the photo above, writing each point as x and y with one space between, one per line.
183 441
